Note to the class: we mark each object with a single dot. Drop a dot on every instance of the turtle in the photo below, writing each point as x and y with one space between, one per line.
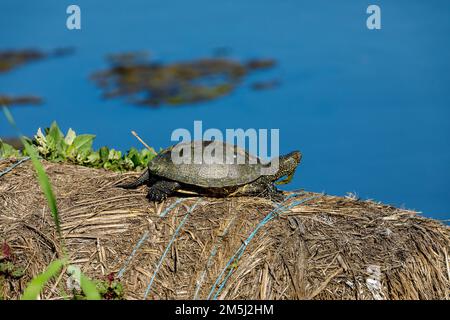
214 168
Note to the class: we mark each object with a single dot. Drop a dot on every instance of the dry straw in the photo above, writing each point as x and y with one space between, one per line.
324 248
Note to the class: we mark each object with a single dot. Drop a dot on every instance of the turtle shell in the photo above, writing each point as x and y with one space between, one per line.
214 164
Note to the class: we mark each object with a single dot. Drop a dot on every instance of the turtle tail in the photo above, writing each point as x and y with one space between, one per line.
143 178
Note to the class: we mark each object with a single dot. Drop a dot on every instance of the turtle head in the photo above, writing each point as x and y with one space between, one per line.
291 159
287 165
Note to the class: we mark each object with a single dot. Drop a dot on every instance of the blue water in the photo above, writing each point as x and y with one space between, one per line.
368 109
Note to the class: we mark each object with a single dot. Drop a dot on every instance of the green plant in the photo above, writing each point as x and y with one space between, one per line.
111 288
52 145
8 151
37 284
8 269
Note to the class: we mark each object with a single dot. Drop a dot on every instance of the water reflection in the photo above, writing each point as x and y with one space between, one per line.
143 82
12 59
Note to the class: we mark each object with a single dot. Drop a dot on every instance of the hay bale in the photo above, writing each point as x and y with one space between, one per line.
326 248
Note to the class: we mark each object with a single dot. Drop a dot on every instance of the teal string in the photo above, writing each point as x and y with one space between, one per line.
147 291
273 214
211 257
233 257
143 238
14 166
168 209
130 257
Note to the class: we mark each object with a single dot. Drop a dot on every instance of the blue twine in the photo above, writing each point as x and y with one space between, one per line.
136 247
232 258
166 211
14 165
168 247
211 257
235 258
241 250
143 238
247 241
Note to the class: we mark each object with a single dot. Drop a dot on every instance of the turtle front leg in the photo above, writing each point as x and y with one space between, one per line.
161 189
262 188
271 192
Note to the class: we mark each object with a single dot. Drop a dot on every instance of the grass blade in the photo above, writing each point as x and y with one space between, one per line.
42 176
37 284
44 183
89 288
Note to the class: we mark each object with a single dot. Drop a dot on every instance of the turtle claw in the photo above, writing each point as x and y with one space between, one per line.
156 195
272 193
160 190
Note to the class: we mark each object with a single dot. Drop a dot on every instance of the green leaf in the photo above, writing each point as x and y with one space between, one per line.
54 137
108 166
147 155
40 138
104 152
82 143
41 143
42 176
70 136
127 164
89 288
37 284
55 141
8 151
114 155
93 158
44 183
8 116
55 133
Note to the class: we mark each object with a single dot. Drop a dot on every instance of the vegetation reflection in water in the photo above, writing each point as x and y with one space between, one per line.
144 82
12 59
